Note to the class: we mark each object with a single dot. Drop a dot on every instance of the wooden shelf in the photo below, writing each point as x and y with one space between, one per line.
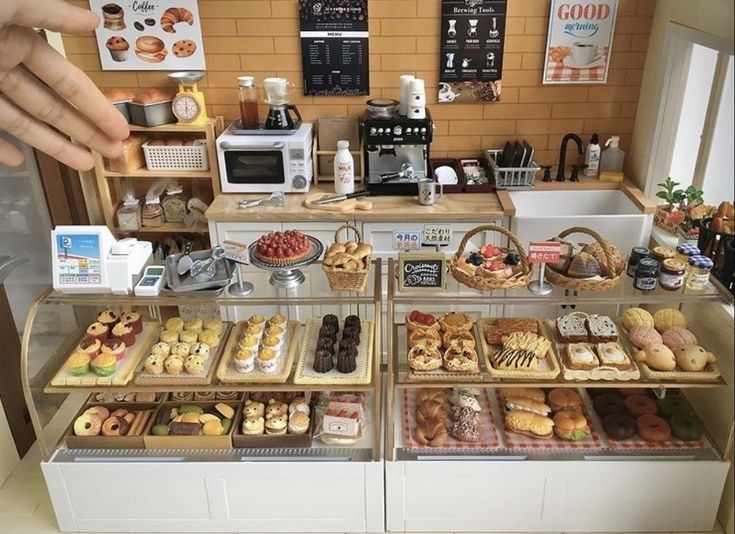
168 227
145 173
174 128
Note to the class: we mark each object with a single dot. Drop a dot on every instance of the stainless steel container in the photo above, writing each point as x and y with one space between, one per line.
182 283
151 114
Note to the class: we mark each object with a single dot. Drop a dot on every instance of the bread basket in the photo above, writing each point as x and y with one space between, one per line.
585 284
484 283
342 277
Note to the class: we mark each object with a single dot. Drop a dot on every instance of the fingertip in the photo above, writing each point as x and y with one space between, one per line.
113 150
84 162
93 20
9 155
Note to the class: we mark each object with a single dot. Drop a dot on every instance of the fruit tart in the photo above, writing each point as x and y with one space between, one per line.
283 248
424 358
460 357
454 335
454 321
493 262
427 337
423 322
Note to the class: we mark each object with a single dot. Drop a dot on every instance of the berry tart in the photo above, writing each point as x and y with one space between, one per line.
283 248
493 262
423 322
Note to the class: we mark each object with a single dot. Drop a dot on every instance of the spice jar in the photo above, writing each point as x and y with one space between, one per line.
671 275
174 204
699 271
662 253
635 256
686 251
646 275
128 215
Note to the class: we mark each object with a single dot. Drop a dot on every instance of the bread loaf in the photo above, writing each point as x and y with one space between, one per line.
119 95
584 265
153 96
618 259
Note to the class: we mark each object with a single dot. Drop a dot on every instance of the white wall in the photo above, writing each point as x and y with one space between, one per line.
718 177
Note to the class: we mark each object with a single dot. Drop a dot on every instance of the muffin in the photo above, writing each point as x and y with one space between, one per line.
118 48
209 337
257 320
170 336
99 331
90 345
194 324
272 342
200 349
154 364
134 320
253 330
114 346
174 365
104 364
214 324
194 365
277 320
248 343
181 349
275 331
161 348
189 336
298 423
108 318
124 332
267 361
175 323
78 363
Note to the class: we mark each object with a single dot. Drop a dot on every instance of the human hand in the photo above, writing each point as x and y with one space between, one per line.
39 87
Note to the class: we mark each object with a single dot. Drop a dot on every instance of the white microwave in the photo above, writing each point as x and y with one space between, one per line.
265 163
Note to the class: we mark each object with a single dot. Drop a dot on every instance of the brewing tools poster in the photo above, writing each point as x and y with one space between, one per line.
334 47
579 41
149 35
471 58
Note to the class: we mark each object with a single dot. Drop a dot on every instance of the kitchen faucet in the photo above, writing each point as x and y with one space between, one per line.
560 173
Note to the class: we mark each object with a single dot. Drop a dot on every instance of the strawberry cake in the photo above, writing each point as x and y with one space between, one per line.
283 248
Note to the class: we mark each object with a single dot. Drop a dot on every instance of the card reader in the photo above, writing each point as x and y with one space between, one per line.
151 282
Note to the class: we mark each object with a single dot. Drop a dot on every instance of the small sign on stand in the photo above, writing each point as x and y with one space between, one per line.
238 253
543 252
409 239
436 234
422 272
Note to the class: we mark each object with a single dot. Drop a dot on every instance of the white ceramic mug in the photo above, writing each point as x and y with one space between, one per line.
584 53
427 191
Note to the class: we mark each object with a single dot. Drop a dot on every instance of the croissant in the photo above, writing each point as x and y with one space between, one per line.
432 433
173 16
431 410
425 395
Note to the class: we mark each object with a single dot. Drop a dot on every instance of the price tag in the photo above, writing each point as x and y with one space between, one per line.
237 252
436 234
544 252
407 239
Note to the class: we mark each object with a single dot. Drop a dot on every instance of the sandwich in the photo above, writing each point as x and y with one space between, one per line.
527 405
536 394
571 426
529 424
150 49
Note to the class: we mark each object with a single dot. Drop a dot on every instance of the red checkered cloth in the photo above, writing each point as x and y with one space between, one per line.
489 438
553 444
557 71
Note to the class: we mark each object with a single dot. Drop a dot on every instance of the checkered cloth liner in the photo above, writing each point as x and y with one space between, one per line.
488 430
521 442
557 71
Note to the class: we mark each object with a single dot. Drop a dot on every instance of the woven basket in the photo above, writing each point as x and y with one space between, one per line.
341 279
480 282
583 284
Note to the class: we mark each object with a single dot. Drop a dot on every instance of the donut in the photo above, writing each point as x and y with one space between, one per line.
618 426
638 405
653 428
608 404
100 411
672 405
686 426
629 392
87 424
115 426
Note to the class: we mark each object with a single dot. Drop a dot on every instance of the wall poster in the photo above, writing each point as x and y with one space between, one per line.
149 34
334 47
471 58
579 41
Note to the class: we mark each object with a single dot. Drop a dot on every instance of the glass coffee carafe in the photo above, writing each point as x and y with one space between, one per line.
281 114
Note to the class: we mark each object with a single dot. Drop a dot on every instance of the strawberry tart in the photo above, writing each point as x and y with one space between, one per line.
283 248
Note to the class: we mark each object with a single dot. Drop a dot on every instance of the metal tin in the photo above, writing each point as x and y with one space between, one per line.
646 275
671 274
122 107
635 256
151 114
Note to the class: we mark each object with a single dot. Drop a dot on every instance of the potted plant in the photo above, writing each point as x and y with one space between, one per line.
683 211
668 217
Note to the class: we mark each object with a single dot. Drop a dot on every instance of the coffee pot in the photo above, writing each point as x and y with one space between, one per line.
281 114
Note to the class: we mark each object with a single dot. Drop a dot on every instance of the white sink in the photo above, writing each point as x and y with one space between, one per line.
541 215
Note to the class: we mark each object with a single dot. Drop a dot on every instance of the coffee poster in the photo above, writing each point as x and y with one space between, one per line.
334 47
579 41
471 58
149 34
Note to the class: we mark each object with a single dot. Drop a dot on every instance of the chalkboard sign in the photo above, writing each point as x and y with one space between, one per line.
422 272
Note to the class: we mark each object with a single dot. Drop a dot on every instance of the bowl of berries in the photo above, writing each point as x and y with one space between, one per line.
490 266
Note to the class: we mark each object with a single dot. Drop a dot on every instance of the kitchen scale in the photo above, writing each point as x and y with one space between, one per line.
188 104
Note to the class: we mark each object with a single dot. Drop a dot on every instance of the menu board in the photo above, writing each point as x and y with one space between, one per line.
421 272
334 47
471 58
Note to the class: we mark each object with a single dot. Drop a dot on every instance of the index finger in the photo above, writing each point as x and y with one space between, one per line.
55 15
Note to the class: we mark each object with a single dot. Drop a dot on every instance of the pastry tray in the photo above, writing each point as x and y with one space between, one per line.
489 433
192 442
227 372
441 374
548 367
305 373
262 441
125 367
144 378
111 442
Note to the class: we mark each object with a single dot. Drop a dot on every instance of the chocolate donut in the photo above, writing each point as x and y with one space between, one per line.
115 426
653 428
686 426
672 405
629 392
638 405
618 426
608 404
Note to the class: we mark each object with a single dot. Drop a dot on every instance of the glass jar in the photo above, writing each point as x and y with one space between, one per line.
636 255
700 268
686 251
671 274
128 215
646 275
174 205
248 102
662 253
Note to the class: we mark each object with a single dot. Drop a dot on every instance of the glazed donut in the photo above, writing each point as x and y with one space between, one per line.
437 395
431 411
629 392
120 412
115 426
672 405
618 426
431 433
608 404
638 405
100 411
653 428
686 426
87 424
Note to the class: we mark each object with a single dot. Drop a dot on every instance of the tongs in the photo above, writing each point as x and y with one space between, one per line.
274 199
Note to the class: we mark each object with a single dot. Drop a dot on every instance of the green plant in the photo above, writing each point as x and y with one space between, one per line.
670 194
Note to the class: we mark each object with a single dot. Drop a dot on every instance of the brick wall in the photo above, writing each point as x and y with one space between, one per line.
260 37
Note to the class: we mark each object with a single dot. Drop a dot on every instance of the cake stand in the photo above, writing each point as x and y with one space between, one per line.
287 276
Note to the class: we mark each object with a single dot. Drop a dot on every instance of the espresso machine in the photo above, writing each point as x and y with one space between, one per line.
396 151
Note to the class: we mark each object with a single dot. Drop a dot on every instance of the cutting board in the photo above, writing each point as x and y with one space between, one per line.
346 205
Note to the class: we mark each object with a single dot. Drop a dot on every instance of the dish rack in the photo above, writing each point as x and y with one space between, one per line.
511 177
177 158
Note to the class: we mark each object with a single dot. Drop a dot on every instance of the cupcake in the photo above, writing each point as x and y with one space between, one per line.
134 320
104 364
175 323
214 324
272 342
257 320
277 320
90 345
267 361
194 365
99 331
154 364
161 348
194 325
118 48
276 331
210 337
114 346
200 349
248 343
189 336
170 336
174 365
78 363
181 349
253 330
298 423
108 318
124 332
244 361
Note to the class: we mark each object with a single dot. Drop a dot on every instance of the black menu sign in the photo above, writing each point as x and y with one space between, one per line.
471 60
334 47
421 272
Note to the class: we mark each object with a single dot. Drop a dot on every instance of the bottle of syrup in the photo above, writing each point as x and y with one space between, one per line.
248 102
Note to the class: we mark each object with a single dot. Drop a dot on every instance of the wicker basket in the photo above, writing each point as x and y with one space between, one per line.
480 282
584 284
341 279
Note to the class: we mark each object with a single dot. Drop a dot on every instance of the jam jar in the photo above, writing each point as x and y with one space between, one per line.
671 274
662 253
686 251
646 275
635 256
699 271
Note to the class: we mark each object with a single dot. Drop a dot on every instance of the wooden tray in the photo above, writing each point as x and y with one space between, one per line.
548 367
227 372
192 442
442 375
263 441
125 367
305 373
111 442
185 379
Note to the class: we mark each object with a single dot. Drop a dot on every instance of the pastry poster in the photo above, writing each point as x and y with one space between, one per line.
334 47
471 59
149 34
579 41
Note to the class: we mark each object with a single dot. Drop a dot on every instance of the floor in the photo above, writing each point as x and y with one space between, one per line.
25 507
